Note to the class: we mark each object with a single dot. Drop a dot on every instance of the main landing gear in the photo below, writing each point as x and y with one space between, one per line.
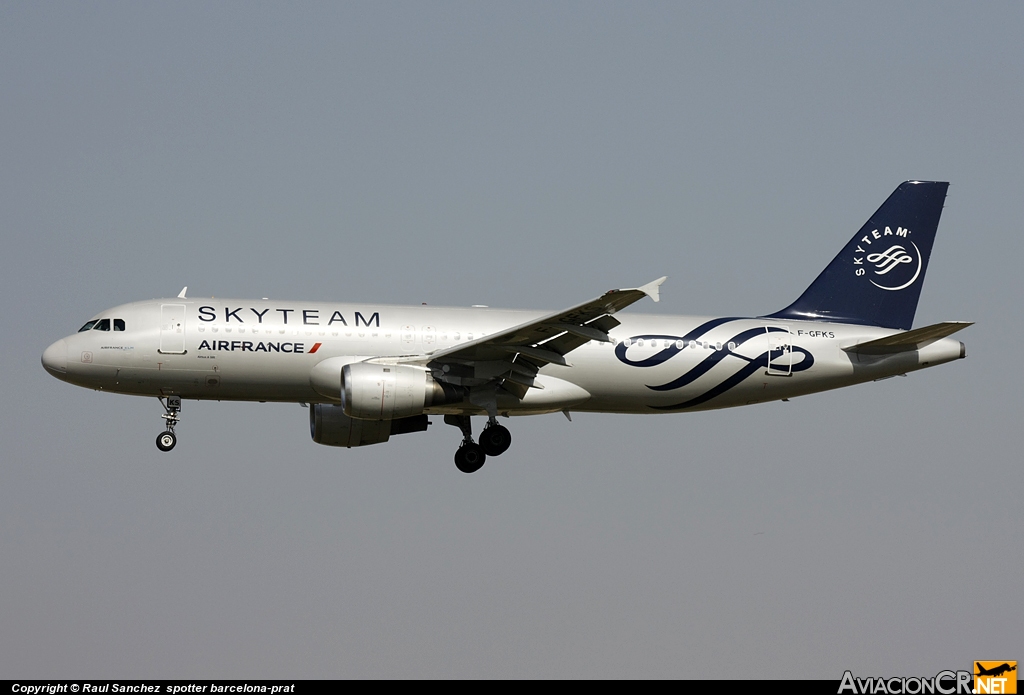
494 441
165 441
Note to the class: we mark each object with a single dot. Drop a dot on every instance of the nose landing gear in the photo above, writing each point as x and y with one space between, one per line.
165 441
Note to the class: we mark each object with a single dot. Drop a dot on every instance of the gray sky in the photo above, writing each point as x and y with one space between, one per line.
525 155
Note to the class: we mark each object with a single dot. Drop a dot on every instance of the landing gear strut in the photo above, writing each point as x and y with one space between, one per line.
165 441
470 456
494 441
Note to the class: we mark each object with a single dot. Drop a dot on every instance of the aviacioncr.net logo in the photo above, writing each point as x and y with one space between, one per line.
889 264
944 683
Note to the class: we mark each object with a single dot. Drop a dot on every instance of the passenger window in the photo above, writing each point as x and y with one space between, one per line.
102 325
118 324
87 326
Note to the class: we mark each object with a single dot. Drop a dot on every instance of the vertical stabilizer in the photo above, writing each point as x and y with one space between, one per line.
876 279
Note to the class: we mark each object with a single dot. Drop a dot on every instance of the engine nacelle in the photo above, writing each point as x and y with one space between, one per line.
329 425
388 391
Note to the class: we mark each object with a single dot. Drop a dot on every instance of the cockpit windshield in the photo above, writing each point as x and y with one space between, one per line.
102 325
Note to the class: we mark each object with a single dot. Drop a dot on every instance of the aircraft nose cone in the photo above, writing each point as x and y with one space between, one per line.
55 359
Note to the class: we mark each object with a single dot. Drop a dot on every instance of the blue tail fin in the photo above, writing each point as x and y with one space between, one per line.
876 279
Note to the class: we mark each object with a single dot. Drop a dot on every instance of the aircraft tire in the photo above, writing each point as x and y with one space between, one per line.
470 458
495 440
165 441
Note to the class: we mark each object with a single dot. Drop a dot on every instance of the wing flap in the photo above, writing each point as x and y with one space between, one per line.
536 353
585 331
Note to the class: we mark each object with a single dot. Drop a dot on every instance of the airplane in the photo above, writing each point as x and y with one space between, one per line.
996 671
369 371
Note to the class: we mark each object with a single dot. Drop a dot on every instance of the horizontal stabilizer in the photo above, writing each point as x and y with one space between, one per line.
909 340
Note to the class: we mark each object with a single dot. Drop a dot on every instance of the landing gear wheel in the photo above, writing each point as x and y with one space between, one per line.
495 440
165 441
470 458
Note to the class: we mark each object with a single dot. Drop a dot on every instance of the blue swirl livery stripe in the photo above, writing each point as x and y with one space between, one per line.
762 361
710 361
671 351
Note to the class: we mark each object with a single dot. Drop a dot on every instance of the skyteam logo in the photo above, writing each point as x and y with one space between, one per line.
889 264
889 259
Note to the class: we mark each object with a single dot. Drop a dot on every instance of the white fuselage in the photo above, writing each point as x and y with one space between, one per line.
261 350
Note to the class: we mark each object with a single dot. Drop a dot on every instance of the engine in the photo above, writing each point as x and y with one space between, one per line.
391 391
329 425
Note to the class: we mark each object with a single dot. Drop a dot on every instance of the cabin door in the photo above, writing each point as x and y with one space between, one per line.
172 329
780 351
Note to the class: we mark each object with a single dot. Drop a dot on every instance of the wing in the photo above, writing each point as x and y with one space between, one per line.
515 355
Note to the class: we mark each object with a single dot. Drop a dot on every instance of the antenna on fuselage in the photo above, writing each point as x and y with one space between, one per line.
181 295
